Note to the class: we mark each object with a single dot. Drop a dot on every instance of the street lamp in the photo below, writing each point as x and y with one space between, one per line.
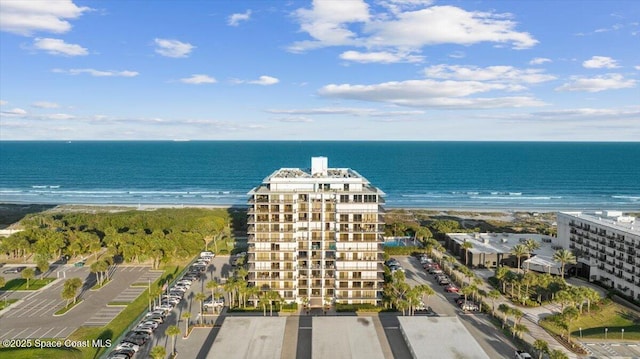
580 333
605 333
622 334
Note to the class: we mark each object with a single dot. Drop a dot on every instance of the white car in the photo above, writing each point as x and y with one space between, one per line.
179 288
149 323
184 282
127 345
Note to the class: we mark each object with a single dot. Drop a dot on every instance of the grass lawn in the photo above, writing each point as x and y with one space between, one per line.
21 284
45 353
8 302
612 316
67 308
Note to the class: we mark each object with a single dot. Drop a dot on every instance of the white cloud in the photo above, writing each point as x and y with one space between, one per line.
45 104
98 73
457 55
198 79
263 80
15 112
637 67
173 48
600 62
59 116
26 17
3 102
384 57
296 119
539 61
330 23
235 19
430 93
597 84
490 73
59 47
354 111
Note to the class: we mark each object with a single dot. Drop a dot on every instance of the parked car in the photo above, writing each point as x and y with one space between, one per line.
13 270
128 345
149 323
392 262
451 289
469 306
214 303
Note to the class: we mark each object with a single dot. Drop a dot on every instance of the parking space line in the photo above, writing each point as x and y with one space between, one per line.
22 331
7 333
45 333
57 335
33 335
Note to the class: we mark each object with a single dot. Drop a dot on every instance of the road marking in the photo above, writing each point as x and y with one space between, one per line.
57 335
45 333
7 333
33 335
24 330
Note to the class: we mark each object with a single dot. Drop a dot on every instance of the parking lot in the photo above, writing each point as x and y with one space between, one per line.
33 316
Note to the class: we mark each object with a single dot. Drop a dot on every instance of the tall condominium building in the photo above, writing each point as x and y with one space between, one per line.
315 236
607 246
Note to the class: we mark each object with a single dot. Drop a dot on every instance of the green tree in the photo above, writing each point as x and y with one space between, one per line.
493 295
28 274
200 297
213 286
501 276
172 331
186 316
2 282
519 250
557 354
505 310
541 346
518 329
158 352
564 257
531 245
43 266
569 315
74 284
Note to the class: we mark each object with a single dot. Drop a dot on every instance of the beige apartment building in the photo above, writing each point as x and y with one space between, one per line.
315 236
607 247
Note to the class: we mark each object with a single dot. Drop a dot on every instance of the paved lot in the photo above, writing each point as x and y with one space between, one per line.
33 317
613 350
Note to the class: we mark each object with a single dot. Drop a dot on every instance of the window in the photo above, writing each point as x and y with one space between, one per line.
344 198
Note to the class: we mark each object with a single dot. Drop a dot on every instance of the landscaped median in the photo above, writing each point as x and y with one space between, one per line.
21 284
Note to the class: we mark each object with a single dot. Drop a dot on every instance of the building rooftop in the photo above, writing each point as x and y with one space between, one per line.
439 337
345 337
504 242
613 219
263 337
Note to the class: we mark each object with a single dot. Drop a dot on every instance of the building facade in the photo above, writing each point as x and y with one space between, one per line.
315 236
607 245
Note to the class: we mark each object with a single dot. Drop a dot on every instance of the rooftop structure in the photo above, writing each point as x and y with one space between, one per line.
606 245
439 337
491 249
345 337
263 337
315 235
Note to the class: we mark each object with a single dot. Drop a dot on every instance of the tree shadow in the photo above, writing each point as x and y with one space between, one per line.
106 334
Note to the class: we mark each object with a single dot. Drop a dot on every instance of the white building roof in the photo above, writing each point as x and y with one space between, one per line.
504 242
345 337
612 219
249 337
439 337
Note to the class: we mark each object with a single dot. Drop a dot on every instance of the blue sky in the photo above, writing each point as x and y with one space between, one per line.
320 70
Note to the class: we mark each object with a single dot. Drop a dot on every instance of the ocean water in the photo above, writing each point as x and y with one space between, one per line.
473 175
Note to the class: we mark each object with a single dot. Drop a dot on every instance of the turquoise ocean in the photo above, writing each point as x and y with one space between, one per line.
457 175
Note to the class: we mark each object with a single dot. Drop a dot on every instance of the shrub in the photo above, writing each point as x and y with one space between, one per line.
289 307
357 308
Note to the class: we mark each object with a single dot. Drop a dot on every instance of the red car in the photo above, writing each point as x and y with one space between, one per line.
451 289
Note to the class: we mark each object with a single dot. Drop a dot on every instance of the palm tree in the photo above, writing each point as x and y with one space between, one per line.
172 331
557 354
28 274
517 315
519 250
200 297
564 256
541 346
466 245
213 285
493 295
568 316
529 279
518 329
505 310
158 352
43 266
501 275
531 245
592 295
186 316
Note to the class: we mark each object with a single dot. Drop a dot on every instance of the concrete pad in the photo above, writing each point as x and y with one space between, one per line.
439 337
345 337
249 337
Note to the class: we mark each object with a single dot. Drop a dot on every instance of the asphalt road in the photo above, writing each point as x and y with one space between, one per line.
494 343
